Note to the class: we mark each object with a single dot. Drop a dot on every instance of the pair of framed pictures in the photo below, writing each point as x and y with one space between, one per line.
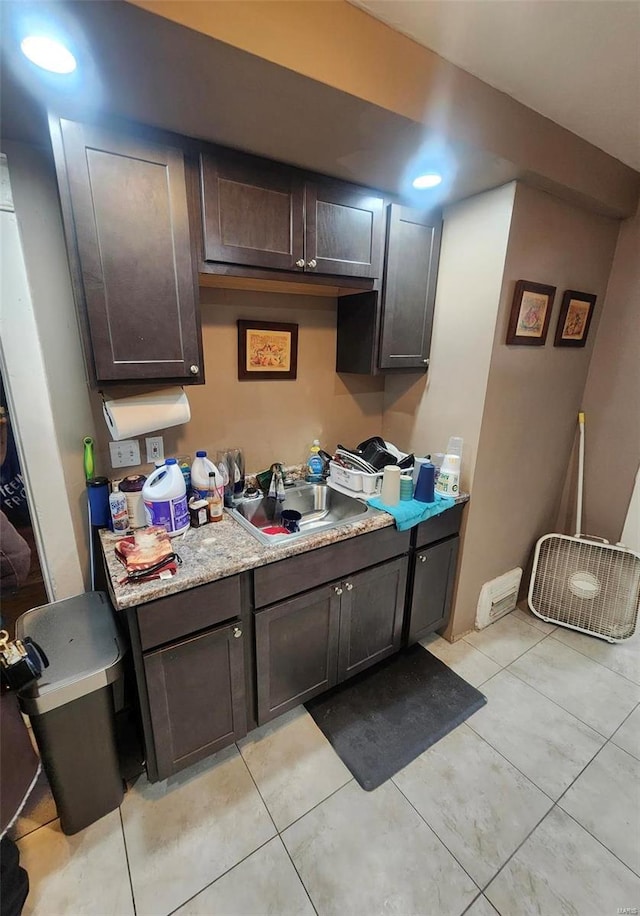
531 315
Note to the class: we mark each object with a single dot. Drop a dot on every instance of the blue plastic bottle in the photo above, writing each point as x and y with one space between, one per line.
315 463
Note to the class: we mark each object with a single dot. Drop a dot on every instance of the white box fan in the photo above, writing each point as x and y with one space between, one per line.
586 583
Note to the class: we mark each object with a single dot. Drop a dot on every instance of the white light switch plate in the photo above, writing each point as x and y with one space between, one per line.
155 448
125 454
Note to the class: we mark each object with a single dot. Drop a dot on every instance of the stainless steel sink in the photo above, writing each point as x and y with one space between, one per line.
321 508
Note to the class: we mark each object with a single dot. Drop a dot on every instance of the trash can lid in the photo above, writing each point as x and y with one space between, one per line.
80 637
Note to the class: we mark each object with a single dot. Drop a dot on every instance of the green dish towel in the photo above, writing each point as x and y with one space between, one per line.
410 512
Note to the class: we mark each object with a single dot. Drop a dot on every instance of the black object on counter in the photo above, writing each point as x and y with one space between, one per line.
384 718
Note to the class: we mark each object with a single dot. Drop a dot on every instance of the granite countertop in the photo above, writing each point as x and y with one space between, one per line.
216 551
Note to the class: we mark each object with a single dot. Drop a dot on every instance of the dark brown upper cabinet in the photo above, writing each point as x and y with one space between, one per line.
263 214
344 229
409 289
391 329
252 212
124 203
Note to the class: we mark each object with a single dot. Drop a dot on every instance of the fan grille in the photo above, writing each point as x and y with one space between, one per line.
592 587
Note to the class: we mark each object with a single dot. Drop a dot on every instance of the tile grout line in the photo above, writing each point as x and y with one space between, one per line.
474 901
620 726
515 851
512 764
502 667
590 657
244 858
539 692
553 807
564 708
278 833
599 841
126 856
215 880
606 741
442 843
575 819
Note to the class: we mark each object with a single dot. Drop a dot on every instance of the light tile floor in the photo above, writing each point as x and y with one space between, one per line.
530 807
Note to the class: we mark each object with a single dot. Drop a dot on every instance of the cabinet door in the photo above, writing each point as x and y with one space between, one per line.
125 206
433 581
371 616
196 697
296 650
344 229
252 212
411 267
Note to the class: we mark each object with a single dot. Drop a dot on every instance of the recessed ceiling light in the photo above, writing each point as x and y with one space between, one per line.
48 53
429 180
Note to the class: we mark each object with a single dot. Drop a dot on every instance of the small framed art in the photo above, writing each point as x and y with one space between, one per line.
530 313
574 319
267 350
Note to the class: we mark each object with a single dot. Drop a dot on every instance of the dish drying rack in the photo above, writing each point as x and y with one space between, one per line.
354 481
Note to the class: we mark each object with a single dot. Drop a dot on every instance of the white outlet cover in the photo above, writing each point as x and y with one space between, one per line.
125 454
155 448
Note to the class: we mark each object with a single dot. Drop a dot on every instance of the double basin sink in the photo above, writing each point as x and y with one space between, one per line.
321 508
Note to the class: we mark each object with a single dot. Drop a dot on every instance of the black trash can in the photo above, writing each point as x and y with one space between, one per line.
71 707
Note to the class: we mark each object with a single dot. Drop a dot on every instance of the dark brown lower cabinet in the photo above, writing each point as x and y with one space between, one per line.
371 614
196 691
307 644
433 580
296 650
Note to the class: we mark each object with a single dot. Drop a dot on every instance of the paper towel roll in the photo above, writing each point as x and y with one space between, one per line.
144 413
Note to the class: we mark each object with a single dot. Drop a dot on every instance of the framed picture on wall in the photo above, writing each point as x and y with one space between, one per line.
574 319
267 350
530 313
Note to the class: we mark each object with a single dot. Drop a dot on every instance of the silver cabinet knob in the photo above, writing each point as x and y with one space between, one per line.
300 262
337 590
194 370
237 632
312 263
422 559
426 362
348 586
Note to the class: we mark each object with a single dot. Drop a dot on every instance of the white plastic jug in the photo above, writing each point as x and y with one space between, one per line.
165 498
200 470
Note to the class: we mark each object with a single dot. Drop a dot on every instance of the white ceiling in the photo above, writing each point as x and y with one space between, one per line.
575 61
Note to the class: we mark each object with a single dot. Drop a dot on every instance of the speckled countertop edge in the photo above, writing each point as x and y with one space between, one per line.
224 549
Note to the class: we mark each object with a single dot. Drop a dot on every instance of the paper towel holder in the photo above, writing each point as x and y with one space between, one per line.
144 413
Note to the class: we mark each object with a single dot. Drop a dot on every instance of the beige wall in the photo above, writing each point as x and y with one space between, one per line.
533 396
272 421
610 401
49 336
342 46
422 411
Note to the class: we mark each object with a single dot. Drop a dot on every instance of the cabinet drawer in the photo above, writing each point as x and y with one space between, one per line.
442 526
179 615
298 574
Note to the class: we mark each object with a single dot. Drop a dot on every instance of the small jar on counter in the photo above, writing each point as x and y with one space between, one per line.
132 488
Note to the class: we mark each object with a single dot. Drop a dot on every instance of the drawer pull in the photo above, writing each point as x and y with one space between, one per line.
348 586
237 632
422 559
337 589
